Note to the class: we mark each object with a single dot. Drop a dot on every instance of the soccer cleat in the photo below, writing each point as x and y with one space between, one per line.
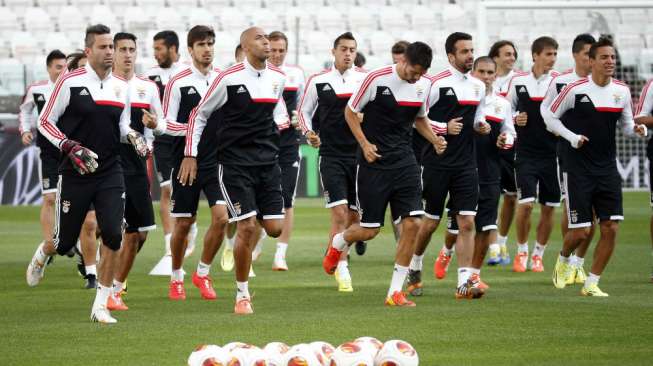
243 307
398 299
360 247
177 291
580 274
441 265
81 268
469 290
205 285
258 250
494 257
227 260
478 283
561 273
414 283
100 314
115 302
344 282
251 272
330 261
35 269
593 290
91 281
505 256
521 259
571 279
279 264
536 264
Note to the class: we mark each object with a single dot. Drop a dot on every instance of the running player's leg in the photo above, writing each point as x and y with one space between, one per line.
88 243
435 189
289 177
164 169
485 222
526 181
48 170
507 213
549 199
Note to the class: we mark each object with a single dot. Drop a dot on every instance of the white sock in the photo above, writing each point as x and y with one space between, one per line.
203 269
494 247
339 242
592 279
463 275
475 271
101 295
416 262
281 250
539 250
40 255
564 259
177 275
573 259
448 252
242 290
117 286
231 241
91 270
398 278
343 269
522 248
501 240
167 238
579 261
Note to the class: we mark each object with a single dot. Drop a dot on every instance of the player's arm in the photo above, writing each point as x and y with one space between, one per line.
214 99
452 127
280 112
26 115
645 106
129 135
170 105
562 103
549 97
508 134
356 104
305 111
82 159
480 124
154 119
520 118
627 121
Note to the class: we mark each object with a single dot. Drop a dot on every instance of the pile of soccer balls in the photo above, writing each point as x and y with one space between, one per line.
364 351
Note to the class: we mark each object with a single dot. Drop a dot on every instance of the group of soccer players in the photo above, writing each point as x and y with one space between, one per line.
395 135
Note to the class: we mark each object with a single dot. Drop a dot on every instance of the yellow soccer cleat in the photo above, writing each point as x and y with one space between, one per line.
560 274
227 260
580 274
344 283
572 275
593 290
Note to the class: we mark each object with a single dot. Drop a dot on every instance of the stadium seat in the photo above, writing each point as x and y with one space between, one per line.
103 14
86 5
231 19
316 42
151 6
217 5
423 19
646 63
361 20
381 42
306 19
310 63
331 20
11 76
278 5
37 21
70 20
8 21
268 19
167 17
18 6
24 46
392 19
201 16
52 6
135 19
58 40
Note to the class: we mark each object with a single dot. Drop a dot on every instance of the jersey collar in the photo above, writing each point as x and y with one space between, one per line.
93 75
457 74
250 69
199 74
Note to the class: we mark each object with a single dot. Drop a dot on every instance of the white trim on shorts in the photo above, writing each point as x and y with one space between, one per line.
431 216
467 213
489 227
146 228
165 183
183 214
526 200
552 204
410 214
242 217
336 203
274 217
370 224
617 218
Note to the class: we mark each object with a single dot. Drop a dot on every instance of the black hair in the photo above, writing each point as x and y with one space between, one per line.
399 47
543 42
359 61
580 41
494 50
602 42
199 33
346 35
484 59
74 58
450 43
122 36
95 30
169 38
54 55
419 53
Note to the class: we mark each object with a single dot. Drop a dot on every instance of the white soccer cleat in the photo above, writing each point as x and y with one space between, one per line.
100 314
36 268
256 253
279 264
251 272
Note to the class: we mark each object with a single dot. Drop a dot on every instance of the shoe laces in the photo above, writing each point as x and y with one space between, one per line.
178 286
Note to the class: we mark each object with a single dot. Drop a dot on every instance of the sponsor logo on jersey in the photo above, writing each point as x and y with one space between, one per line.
40 98
477 91
326 88
449 92
585 99
275 88
420 91
46 183
237 208
386 91
574 216
192 91
241 90
141 92
83 92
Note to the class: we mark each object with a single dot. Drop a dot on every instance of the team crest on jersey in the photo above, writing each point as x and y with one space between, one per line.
46 183
617 98
237 208
172 205
141 92
420 90
117 90
326 195
275 88
497 108
65 206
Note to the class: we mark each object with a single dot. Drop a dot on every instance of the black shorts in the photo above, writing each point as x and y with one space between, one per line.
538 178
75 194
252 191
48 172
461 185
338 177
507 165
163 162
289 176
139 214
587 195
486 216
399 187
185 199
418 146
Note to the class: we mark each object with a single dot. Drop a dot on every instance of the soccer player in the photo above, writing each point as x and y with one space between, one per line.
644 116
398 49
455 107
245 103
289 158
139 213
580 51
166 54
592 107
359 60
183 93
326 96
76 60
498 115
504 55
239 54
536 168
391 99
86 117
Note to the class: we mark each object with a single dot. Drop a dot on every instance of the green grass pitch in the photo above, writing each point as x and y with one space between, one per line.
522 320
